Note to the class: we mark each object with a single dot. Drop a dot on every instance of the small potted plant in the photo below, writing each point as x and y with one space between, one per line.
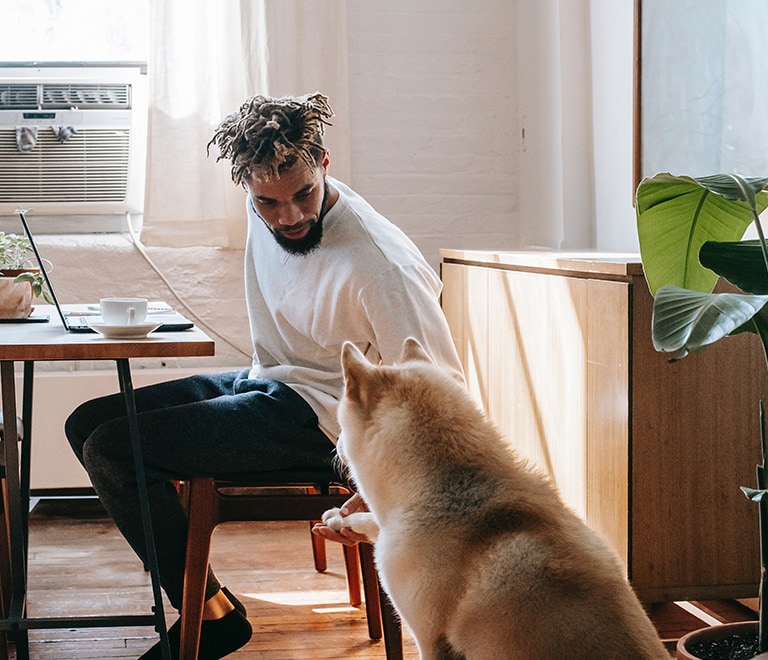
691 233
20 279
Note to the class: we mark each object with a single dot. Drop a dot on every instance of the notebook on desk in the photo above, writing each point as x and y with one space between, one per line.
80 321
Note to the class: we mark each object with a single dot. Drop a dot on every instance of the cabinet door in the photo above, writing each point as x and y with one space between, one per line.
546 356
696 439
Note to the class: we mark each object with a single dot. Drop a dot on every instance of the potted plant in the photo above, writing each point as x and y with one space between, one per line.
20 280
691 233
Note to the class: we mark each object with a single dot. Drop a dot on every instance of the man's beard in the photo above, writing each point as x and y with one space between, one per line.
311 240
304 245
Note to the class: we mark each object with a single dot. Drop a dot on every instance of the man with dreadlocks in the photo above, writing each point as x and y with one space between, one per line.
321 267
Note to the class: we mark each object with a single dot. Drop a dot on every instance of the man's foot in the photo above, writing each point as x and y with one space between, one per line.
218 637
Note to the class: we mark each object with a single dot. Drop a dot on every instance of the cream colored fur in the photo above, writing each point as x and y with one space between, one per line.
478 553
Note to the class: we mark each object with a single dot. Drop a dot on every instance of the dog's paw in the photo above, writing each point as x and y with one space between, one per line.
363 523
333 519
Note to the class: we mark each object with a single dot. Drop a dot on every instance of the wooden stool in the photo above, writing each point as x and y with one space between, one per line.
302 494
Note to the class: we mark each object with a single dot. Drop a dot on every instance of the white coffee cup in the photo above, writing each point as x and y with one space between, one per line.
123 311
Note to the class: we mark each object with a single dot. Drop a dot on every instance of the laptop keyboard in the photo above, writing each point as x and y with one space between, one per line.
79 322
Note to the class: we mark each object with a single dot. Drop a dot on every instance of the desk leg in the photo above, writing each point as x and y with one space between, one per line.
16 518
26 453
124 374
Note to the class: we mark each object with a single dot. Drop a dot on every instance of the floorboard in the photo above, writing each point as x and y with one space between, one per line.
80 565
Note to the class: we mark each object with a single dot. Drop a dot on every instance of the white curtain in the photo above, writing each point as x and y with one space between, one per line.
554 99
206 58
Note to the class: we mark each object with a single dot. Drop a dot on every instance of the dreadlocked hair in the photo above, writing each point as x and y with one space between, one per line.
267 135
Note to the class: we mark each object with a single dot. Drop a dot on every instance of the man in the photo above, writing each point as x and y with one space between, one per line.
321 267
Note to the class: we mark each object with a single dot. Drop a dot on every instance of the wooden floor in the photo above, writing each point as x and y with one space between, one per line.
80 565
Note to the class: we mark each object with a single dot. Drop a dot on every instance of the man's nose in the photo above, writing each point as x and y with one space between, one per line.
290 215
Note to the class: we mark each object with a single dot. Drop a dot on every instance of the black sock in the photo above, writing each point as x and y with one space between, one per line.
236 603
218 637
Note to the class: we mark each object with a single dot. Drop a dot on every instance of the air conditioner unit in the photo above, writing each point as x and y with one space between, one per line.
73 141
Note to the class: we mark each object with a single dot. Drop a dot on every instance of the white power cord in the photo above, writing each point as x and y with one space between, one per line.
142 251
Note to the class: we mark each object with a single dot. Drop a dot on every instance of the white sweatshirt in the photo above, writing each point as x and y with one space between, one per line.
366 283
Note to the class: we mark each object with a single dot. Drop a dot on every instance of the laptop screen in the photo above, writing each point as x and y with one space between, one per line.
43 272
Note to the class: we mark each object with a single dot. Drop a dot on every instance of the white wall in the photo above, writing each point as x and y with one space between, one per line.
434 118
495 125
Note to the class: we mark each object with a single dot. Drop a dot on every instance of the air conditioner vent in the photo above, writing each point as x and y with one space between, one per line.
56 96
74 95
92 166
17 96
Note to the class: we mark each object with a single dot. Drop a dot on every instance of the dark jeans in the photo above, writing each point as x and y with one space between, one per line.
207 425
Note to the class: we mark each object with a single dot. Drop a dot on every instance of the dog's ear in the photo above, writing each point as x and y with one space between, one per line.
412 351
356 370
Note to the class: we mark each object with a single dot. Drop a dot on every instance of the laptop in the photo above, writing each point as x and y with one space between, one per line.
81 322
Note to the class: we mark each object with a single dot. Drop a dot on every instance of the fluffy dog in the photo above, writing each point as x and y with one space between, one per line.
478 553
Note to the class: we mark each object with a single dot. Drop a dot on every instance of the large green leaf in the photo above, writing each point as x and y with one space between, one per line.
685 321
676 215
741 263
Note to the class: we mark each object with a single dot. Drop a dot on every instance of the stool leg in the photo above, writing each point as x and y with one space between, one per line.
382 616
318 549
371 588
352 566
203 518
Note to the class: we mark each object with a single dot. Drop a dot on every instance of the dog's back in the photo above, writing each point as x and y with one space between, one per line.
479 554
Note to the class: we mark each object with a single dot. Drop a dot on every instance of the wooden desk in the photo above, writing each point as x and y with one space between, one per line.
557 349
32 342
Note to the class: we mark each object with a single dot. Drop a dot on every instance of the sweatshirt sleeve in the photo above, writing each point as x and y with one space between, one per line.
402 303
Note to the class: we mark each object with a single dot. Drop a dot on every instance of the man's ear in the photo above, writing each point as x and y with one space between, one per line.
356 370
412 351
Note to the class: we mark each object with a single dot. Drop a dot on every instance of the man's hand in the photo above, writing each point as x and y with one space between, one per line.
345 536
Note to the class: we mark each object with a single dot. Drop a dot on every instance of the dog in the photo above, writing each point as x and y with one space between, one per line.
478 553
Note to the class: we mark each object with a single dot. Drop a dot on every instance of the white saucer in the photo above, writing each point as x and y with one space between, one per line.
135 331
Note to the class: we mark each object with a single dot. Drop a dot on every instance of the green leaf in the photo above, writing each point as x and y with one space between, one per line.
37 282
741 263
685 321
676 215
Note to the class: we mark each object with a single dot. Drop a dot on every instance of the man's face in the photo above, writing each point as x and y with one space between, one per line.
291 205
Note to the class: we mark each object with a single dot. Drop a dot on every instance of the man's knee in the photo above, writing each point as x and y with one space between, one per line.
107 454
84 421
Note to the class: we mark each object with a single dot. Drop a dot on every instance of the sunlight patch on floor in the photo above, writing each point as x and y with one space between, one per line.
698 613
329 598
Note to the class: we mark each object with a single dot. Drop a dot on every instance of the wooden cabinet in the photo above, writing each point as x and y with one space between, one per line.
557 349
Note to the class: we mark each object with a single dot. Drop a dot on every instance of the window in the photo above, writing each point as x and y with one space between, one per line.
74 30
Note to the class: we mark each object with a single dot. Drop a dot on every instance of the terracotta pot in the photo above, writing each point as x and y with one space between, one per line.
15 298
714 633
